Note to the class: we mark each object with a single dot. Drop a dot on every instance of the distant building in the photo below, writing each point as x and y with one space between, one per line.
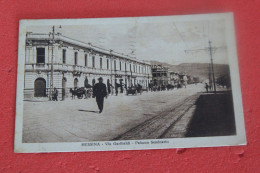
161 75
76 64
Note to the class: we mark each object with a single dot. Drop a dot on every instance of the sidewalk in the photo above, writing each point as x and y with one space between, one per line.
211 115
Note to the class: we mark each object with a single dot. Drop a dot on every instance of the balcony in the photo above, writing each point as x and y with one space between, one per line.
37 67
82 69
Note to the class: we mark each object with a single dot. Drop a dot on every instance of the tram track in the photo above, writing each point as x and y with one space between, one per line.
158 126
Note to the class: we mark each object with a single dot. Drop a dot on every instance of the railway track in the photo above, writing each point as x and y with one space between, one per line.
158 126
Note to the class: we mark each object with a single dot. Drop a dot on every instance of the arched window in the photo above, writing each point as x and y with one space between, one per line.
86 83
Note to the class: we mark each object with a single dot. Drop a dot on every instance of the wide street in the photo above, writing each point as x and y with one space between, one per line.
78 120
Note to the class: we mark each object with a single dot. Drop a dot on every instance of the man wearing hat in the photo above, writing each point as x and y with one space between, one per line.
100 91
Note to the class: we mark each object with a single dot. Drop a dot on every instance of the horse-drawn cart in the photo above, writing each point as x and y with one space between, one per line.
81 92
131 90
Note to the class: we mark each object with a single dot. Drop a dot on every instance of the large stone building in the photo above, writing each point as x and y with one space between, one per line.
76 64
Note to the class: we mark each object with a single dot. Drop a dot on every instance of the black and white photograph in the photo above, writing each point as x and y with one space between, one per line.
128 83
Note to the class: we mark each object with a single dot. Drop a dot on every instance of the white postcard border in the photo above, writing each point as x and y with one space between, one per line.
239 139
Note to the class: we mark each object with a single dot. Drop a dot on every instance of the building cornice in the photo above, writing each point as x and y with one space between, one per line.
87 47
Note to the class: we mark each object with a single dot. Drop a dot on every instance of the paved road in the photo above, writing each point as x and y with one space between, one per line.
78 120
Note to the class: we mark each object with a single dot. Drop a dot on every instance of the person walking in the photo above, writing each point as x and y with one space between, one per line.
55 94
116 88
108 88
207 87
100 91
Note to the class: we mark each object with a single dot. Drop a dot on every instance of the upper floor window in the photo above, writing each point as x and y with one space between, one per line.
114 65
120 66
76 58
107 63
64 56
40 55
86 60
100 63
93 61
130 65
125 66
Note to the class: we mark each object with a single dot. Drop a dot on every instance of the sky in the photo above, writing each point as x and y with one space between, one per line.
164 42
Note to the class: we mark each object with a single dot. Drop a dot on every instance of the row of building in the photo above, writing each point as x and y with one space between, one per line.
54 60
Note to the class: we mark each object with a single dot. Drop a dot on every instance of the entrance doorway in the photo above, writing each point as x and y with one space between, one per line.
40 87
86 83
64 83
76 83
93 82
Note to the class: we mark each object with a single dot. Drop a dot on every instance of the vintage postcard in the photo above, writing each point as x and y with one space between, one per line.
128 84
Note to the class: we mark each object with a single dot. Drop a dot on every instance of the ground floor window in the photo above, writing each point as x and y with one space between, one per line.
93 82
76 83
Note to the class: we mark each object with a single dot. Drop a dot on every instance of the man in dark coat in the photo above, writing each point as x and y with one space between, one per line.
207 87
55 94
100 91
116 88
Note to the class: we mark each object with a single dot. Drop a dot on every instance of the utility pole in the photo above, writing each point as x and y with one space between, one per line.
111 78
52 56
211 66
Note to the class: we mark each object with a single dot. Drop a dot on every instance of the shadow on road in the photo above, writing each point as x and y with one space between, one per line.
88 111
214 116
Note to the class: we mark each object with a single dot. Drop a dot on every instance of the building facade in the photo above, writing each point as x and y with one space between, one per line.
64 63
161 75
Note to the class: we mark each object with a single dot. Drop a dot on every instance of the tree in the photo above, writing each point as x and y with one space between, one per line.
224 80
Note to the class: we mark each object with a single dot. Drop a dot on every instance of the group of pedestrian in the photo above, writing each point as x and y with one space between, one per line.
208 87
55 94
99 92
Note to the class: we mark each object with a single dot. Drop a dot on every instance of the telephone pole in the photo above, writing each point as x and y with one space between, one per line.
52 55
211 66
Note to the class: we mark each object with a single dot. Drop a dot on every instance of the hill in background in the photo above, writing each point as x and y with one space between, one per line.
200 70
